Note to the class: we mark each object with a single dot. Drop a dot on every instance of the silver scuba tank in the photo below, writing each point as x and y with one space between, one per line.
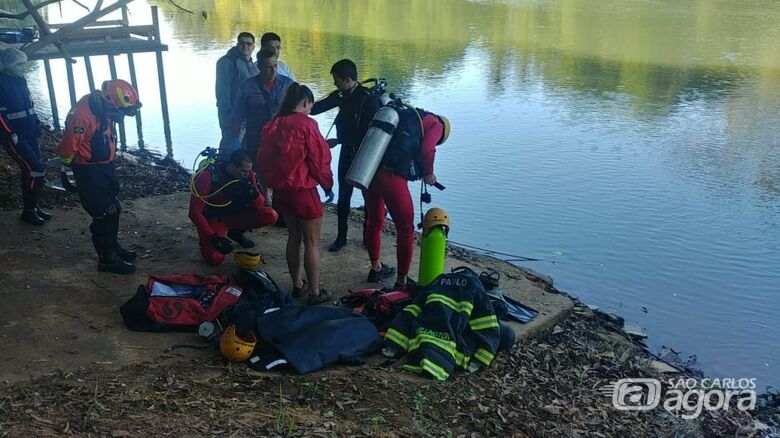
373 147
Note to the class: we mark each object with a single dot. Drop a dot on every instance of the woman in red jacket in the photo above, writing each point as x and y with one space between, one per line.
294 158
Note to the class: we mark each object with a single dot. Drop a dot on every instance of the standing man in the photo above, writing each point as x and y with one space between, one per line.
257 101
273 42
89 146
233 68
356 110
19 131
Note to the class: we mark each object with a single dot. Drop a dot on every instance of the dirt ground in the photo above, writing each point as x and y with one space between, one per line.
68 366
60 312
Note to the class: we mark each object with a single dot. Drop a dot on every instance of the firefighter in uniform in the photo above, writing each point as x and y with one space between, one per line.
19 131
89 146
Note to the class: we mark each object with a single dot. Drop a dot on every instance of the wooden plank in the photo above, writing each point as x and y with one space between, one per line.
134 83
69 28
122 136
71 83
90 76
55 115
163 92
101 49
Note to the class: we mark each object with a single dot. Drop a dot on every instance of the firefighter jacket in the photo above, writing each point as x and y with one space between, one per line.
17 109
450 323
89 133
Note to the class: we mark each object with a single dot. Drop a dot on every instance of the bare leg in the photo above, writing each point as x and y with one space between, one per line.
311 252
294 238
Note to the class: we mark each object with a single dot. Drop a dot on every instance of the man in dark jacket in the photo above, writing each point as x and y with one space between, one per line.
233 68
356 110
19 130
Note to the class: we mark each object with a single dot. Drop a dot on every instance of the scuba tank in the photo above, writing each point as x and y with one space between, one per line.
373 147
433 245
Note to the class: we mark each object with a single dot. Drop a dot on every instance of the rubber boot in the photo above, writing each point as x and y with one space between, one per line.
38 182
112 221
29 215
104 241
341 238
112 263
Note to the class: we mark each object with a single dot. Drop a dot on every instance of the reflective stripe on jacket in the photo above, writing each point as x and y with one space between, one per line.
450 323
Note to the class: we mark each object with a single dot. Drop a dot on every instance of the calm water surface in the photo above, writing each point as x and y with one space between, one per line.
634 143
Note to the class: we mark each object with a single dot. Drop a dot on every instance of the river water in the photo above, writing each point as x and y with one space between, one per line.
631 145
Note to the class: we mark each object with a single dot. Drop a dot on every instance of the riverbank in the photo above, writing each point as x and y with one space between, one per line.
72 368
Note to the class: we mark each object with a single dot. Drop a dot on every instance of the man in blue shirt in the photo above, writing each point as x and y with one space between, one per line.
257 101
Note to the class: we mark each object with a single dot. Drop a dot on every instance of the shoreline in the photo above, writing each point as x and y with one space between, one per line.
546 386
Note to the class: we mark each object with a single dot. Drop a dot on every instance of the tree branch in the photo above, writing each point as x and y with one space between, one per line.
23 15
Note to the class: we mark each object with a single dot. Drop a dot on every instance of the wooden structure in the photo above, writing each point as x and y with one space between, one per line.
89 37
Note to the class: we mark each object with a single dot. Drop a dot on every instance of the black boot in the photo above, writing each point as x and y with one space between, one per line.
31 217
104 239
45 215
38 183
341 239
125 254
112 263
29 201
112 222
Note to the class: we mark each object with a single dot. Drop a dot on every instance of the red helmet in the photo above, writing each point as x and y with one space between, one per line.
121 94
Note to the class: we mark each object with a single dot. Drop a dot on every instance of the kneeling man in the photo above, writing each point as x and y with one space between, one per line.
225 203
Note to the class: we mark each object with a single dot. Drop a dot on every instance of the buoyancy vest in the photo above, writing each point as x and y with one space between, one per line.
403 152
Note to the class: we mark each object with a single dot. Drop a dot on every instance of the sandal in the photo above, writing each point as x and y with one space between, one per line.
297 292
324 297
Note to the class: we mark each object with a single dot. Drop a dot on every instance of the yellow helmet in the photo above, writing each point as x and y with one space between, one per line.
235 348
435 217
446 122
247 260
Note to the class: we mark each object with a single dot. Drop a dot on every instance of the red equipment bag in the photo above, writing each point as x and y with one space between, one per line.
178 302
380 306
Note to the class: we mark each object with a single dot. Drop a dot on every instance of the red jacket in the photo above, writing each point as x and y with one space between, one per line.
83 143
294 155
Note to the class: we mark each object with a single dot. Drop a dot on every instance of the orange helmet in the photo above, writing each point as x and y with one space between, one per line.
121 94
436 217
235 348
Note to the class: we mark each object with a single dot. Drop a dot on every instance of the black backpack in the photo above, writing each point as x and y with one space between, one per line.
401 157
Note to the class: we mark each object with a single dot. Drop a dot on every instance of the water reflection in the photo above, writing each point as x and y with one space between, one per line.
633 141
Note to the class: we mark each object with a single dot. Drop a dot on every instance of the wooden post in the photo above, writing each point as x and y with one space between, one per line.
134 82
71 83
55 115
122 135
90 77
161 80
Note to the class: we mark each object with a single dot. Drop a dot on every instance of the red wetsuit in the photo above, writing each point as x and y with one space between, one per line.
244 213
388 189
